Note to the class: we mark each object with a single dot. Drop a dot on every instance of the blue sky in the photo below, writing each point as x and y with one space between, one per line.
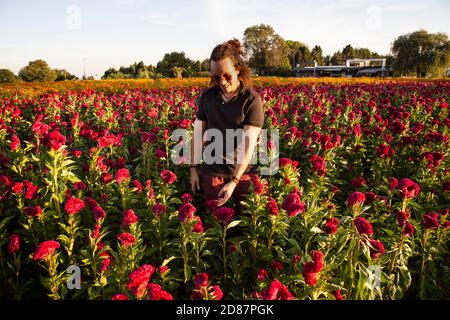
119 32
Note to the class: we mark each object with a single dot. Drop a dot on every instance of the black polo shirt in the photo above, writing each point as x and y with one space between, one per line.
245 108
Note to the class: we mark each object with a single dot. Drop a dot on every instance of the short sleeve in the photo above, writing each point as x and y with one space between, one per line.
254 116
201 115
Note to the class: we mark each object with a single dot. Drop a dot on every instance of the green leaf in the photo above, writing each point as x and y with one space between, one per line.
233 224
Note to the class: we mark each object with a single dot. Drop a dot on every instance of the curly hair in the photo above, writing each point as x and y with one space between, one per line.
232 49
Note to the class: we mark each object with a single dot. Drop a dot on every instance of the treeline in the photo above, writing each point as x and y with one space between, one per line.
419 54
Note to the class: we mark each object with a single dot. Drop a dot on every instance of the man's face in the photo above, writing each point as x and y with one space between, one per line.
225 75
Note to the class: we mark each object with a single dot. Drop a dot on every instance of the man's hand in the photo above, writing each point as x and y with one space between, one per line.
195 180
226 192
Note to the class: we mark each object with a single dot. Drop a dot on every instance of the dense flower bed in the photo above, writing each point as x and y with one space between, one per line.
358 209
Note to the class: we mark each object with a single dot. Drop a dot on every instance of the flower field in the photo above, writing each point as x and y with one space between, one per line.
92 207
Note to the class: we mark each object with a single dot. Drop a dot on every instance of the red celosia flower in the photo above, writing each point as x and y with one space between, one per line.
216 293
363 226
126 239
430 220
158 209
15 142
356 198
331 225
224 215
262 274
401 217
318 165
408 229
337 295
376 248
311 269
138 280
393 183
408 188
198 228
35 211
119 296
211 205
122 175
99 213
168 176
186 197
54 140
74 205
31 190
45 249
201 280
277 291
272 206
358 182
105 178
293 205
14 243
156 292
186 212
17 188
129 218
370 197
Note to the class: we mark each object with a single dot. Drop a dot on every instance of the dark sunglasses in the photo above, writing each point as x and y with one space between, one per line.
226 76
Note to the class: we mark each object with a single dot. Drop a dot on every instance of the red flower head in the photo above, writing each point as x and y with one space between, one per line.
74 205
35 211
356 198
99 213
45 249
201 280
430 220
119 296
272 206
376 248
156 292
393 183
331 225
312 268
370 197
277 291
401 217
122 175
54 140
168 176
293 205
129 218
198 228
15 142
224 215
138 280
408 188
408 230
262 274
186 212
14 243
105 178
159 209
216 293
186 197
126 239
318 165
363 226
337 295
358 182
211 205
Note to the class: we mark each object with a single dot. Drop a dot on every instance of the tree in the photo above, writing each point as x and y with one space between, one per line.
299 54
421 53
7 76
37 70
265 50
171 60
317 55
63 74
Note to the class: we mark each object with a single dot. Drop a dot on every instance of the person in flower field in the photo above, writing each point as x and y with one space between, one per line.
228 105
